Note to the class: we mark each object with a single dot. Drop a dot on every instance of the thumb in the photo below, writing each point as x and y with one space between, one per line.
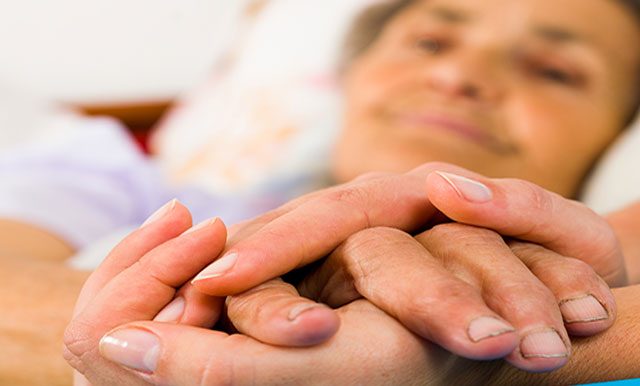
367 348
171 354
528 212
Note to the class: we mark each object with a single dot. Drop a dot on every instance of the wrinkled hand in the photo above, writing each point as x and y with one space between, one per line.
467 290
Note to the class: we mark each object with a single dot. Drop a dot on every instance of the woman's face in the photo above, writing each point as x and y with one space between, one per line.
533 89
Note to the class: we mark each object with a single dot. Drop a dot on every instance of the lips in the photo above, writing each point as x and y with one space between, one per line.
460 127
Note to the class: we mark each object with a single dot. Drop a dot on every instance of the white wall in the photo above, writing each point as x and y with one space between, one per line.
95 51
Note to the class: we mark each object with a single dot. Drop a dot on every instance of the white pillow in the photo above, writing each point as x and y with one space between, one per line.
615 182
268 118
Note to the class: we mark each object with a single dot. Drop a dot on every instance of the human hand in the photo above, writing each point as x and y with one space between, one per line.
467 290
311 227
250 307
370 348
147 277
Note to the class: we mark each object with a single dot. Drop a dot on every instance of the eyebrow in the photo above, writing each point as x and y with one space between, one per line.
449 15
557 34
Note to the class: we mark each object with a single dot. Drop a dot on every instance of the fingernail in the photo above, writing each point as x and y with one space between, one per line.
543 344
486 327
201 225
584 309
172 312
298 310
218 267
468 189
133 348
158 214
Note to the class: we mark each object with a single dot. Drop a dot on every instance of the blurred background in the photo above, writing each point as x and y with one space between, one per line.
104 52
244 89
128 59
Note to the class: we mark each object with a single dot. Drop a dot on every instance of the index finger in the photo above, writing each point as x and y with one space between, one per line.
165 224
314 228
142 289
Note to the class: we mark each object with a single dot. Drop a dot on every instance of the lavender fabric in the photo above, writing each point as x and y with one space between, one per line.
90 181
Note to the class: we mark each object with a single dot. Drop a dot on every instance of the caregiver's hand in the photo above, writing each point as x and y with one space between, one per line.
370 348
467 290
311 227
145 277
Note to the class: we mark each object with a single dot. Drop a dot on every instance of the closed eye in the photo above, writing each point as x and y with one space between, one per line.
430 45
556 75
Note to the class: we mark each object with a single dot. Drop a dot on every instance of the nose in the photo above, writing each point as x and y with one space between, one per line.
472 76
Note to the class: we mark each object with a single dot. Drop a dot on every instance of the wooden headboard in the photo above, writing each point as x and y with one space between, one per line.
138 117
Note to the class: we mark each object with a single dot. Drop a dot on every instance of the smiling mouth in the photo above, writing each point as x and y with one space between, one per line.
459 128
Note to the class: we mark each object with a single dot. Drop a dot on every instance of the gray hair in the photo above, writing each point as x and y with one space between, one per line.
366 29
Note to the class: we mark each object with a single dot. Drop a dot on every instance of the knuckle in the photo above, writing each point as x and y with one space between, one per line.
369 243
77 344
254 305
443 297
524 295
540 202
352 198
462 234
351 194
539 295
417 307
578 269
363 251
539 199
377 236
228 370
241 311
371 176
532 254
275 233
537 258
73 360
76 339
215 373
563 269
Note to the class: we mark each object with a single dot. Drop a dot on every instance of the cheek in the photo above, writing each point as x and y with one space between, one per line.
374 85
558 141
547 129
539 132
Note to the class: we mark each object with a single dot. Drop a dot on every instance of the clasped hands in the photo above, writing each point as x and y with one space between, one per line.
388 288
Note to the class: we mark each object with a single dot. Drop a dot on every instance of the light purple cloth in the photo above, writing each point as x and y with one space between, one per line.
94 180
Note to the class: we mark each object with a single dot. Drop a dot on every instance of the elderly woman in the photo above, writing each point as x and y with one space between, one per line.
529 89
506 89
